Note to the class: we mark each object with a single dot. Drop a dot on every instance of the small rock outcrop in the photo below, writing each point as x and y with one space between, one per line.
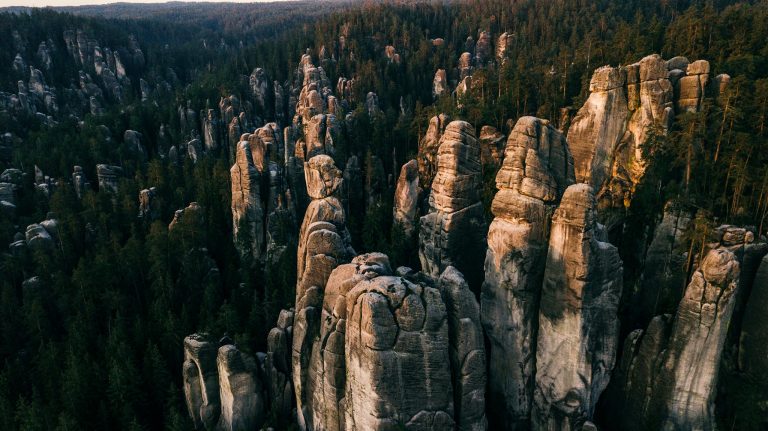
407 195
578 333
109 177
222 387
452 233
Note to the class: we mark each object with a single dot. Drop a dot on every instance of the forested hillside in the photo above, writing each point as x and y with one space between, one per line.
157 166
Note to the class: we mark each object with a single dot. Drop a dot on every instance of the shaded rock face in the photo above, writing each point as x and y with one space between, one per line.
662 280
222 388
210 130
753 339
132 140
428 146
277 366
696 342
108 177
491 148
79 181
240 389
483 48
439 84
201 381
324 243
627 106
452 233
537 169
578 327
397 350
407 195
668 375
148 209
42 236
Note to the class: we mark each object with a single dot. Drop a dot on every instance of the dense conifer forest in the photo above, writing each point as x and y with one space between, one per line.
95 340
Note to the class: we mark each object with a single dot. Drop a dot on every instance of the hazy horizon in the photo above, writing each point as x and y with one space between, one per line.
45 3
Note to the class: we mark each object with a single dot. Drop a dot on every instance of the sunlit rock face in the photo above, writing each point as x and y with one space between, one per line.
536 170
628 108
324 243
578 327
452 233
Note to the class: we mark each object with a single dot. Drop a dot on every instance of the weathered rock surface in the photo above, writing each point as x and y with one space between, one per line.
277 366
692 360
536 171
662 280
247 203
222 387
240 389
407 195
428 146
578 327
503 46
201 381
324 243
383 346
452 233
491 148
668 376
109 177
439 83
628 106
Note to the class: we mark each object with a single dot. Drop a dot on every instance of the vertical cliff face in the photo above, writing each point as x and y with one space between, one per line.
407 194
662 280
696 342
222 387
627 107
247 204
536 170
427 157
578 327
599 126
453 231
669 374
324 243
